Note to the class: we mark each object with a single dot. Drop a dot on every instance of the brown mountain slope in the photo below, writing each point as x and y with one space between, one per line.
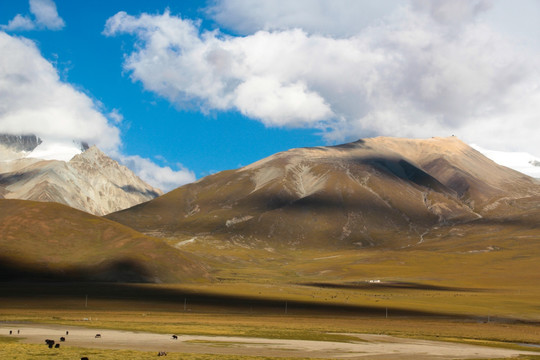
50 240
476 179
380 191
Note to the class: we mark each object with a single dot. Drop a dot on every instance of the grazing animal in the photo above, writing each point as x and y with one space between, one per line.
175 337
62 339
49 342
67 332
98 336
84 358
50 346
10 332
57 346
162 353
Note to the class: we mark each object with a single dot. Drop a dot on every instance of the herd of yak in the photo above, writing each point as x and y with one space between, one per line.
52 344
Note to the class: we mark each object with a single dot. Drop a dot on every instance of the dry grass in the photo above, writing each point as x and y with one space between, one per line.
297 324
254 287
16 351
53 241
446 287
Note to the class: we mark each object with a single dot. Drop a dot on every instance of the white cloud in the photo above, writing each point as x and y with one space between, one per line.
453 12
425 71
222 72
340 18
116 116
164 178
19 23
45 14
278 104
33 100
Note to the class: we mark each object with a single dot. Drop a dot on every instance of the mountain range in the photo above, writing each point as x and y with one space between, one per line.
393 196
373 192
89 181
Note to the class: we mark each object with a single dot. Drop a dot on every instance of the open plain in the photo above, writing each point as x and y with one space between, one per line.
262 321
360 346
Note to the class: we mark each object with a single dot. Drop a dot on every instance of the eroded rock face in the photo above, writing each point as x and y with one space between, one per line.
90 181
20 143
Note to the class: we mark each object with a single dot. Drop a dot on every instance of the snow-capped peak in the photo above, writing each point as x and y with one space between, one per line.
55 150
32 146
520 161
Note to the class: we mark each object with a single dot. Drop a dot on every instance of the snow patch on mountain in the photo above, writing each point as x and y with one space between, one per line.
520 161
53 150
31 146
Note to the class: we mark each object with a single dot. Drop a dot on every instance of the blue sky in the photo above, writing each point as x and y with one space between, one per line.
177 90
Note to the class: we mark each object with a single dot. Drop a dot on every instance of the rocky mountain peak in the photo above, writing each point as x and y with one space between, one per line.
91 181
92 155
20 143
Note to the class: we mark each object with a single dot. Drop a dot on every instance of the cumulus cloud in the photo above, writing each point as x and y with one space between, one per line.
45 17
432 68
163 178
46 14
339 18
223 73
19 23
33 100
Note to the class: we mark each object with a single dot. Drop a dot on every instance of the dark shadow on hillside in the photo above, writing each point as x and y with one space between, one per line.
134 190
12 178
531 222
135 297
397 169
134 293
118 270
361 143
389 285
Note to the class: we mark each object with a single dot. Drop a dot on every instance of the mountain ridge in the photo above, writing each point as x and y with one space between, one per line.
89 181
378 191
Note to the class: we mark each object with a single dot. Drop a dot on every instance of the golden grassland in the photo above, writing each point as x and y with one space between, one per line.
313 327
448 288
304 299
302 327
477 287
485 276
16 351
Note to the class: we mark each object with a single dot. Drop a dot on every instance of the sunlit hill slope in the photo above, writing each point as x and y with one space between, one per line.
374 192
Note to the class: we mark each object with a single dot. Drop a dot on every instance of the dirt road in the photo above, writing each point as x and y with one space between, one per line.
367 346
